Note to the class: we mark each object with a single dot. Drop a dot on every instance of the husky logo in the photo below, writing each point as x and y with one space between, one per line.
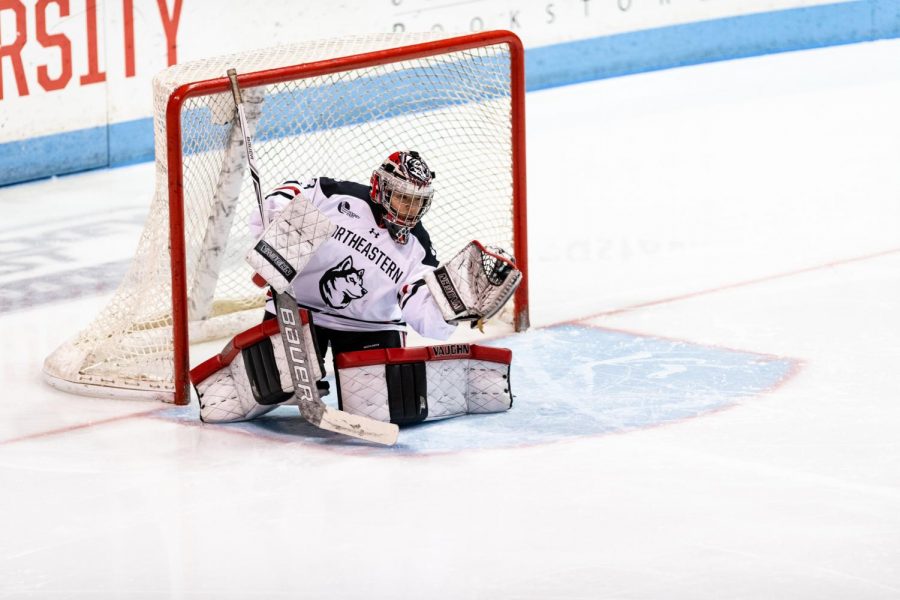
342 284
344 207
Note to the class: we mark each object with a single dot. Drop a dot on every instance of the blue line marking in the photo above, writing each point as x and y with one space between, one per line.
568 382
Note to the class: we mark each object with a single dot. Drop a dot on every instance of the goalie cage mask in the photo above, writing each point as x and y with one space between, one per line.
402 186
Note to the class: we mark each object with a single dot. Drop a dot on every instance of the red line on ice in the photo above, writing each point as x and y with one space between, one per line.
729 286
76 427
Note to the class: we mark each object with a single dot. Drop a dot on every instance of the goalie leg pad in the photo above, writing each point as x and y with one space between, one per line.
249 377
411 385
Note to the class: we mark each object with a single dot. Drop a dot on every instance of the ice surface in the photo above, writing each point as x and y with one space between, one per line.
707 238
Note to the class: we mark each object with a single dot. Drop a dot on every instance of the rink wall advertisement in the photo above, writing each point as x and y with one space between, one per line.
75 75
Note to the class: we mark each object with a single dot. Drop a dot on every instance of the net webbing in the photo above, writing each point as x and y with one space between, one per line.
454 108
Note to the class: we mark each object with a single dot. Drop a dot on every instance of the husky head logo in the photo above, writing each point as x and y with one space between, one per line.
342 284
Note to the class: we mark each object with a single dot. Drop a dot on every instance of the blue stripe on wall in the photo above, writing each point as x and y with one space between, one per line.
130 142
694 43
56 154
885 18
547 66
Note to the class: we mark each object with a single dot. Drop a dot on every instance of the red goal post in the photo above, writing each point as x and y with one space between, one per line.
364 90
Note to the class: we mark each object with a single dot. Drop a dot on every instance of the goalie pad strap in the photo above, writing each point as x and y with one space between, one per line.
410 385
407 389
263 373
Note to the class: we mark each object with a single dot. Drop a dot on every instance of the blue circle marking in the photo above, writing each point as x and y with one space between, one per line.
571 381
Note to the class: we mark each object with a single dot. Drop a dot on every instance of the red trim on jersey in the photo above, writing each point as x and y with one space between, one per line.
294 189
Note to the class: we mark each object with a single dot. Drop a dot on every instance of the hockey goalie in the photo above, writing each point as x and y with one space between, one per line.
360 264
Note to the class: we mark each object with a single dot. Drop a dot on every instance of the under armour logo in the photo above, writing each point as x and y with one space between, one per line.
373 232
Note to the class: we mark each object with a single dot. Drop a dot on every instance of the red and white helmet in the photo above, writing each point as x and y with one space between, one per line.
402 185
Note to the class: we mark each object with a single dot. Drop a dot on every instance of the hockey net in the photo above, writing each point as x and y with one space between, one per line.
332 108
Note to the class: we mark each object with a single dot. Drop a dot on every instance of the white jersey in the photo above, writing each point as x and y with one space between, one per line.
360 279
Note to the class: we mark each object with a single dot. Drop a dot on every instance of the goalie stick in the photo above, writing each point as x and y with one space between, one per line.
311 406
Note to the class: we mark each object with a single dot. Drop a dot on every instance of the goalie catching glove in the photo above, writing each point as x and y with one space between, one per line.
475 284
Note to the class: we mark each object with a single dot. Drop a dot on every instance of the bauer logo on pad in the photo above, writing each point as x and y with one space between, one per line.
276 260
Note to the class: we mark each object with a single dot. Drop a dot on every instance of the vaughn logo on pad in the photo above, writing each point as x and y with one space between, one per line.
276 260
443 279
450 350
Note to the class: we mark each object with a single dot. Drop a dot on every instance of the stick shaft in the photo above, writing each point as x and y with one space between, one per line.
248 143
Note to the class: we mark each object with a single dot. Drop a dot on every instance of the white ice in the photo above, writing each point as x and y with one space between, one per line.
750 205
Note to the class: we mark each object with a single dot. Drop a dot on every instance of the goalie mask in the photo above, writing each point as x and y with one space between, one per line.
402 185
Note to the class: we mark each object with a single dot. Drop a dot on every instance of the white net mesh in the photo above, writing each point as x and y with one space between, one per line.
452 107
